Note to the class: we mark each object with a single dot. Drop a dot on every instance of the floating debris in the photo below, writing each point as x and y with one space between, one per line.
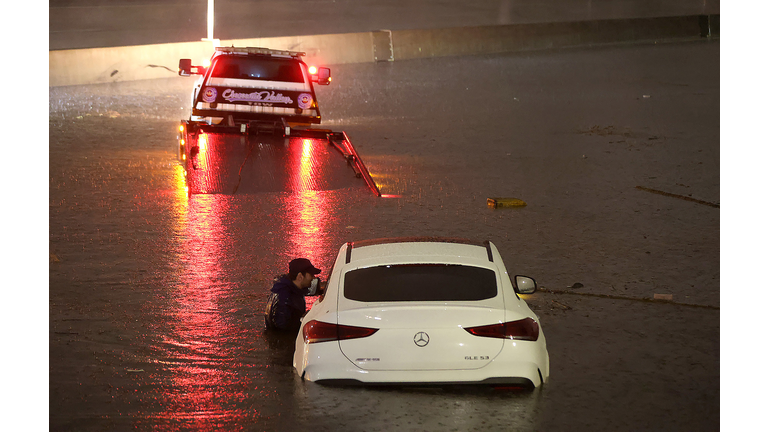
682 197
598 130
505 202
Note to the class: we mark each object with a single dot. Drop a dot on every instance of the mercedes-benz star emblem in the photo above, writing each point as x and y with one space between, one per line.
421 339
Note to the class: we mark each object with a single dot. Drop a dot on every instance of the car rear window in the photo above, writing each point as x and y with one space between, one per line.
258 68
420 282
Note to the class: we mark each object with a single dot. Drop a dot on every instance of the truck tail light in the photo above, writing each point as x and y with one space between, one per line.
318 331
524 329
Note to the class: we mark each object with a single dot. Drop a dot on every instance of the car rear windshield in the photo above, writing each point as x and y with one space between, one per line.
420 282
258 68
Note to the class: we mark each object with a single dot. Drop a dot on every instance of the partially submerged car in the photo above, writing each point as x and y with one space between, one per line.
422 310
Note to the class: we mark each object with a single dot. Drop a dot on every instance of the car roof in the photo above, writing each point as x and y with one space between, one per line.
419 249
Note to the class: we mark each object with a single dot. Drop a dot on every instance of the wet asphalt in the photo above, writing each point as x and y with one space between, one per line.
156 298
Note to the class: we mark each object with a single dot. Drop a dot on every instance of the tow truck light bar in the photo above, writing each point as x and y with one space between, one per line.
258 50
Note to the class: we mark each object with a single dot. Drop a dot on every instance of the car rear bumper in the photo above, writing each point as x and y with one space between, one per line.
239 117
525 364
497 382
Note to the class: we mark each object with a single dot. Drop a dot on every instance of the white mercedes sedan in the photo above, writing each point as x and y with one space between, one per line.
422 310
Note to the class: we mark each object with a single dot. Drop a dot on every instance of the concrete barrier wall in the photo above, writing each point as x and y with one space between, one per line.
321 50
411 44
130 63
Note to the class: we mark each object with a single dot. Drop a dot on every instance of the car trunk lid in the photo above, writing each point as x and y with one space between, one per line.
421 336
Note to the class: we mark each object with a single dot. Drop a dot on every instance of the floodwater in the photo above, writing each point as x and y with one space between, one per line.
156 297
240 163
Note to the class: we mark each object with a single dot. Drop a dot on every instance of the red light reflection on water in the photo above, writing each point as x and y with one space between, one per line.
307 208
202 144
207 164
198 346
201 163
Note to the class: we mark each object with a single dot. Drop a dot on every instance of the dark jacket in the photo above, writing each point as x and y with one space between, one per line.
285 305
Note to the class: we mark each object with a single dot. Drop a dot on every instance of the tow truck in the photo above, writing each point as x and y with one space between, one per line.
267 98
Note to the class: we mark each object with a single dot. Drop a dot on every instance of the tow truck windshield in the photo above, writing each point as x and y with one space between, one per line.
257 68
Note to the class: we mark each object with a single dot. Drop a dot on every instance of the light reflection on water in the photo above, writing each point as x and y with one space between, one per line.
198 348
242 164
203 347
307 209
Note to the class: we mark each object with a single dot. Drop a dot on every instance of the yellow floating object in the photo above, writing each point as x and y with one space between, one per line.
505 202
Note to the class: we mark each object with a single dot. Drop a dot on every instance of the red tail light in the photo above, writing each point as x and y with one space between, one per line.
524 329
318 331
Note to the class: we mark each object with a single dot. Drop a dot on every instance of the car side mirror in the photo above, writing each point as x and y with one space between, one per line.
323 76
312 290
317 287
524 284
185 67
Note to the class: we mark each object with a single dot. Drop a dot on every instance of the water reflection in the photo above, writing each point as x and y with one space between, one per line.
307 208
421 408
199 346
241 164
205 167
203 346
217 370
